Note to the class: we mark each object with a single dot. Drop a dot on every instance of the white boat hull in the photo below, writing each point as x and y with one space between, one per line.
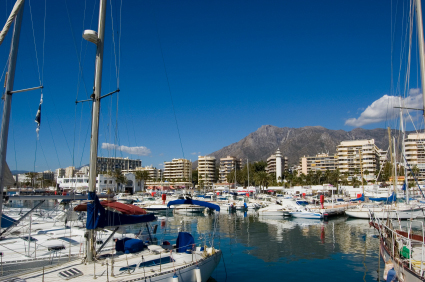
274 213
312 215
185 273
365 214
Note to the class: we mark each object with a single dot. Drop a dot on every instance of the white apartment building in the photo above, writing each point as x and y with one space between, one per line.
415 153
228 164
155 174
178 170
104 183
320 162
383 157
206 170
358 155
70 171
112 164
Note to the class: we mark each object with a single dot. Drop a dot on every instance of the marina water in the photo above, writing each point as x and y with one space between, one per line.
259 248
293 249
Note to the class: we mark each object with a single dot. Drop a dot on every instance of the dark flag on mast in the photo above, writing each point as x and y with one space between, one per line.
38 115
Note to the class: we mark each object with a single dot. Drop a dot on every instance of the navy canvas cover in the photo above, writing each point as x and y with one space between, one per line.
184 241
390 199
99 217
359 198
193 202
133 246
6 221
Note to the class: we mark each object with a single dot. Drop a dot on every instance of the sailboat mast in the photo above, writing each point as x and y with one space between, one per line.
95 118
8 100
419 24
404 152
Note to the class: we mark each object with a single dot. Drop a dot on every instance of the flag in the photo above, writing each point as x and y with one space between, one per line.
38 115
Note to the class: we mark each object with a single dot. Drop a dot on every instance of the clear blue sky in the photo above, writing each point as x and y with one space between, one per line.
232 66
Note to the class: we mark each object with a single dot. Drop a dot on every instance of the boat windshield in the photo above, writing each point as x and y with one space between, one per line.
302 203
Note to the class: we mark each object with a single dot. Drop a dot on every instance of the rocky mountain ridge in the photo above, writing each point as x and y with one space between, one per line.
297 142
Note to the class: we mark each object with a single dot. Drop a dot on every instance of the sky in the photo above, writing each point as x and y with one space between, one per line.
196 76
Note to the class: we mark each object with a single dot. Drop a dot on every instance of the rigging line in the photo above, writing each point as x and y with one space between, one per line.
81 52
54 144
132 124
119 46
79 132
44 40
4 69
60 123
75 48
113 40
168 82
84 146
45 159
35 45
14 145
35 155
75 126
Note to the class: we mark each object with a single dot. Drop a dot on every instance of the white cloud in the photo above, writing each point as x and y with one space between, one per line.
383 108
195 153
140 151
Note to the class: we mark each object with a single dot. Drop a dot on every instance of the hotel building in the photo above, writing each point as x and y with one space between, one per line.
105 164
321 162
358 155
206 170
228 164
178 170
415 153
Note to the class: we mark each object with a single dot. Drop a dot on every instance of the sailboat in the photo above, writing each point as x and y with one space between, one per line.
133 259
402 250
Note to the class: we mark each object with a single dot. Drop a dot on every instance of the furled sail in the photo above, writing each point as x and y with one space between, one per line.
9 21
99 217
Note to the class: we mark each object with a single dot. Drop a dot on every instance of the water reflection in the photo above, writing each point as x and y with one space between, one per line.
275 248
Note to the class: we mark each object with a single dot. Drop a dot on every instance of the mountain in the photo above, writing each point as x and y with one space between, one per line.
297 142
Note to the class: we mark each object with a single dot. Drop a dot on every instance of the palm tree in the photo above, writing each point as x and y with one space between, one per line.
142 176
32 176
263 179
119 178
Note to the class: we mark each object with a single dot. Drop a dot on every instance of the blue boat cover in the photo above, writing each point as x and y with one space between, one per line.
359 198
6 221
184 241
98 217
193 202
129 245
390 199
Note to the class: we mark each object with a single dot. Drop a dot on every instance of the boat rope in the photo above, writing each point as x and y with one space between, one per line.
114 44
75 48
168 81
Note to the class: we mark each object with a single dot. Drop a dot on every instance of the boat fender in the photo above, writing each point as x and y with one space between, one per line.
198 274
175 278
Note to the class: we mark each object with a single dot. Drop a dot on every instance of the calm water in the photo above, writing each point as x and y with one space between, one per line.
275 249
278 249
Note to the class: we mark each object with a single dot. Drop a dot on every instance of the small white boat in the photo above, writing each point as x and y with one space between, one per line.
307 214
274 210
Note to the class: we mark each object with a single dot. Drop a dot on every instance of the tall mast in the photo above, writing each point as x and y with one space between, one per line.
99 41
404 152
8 100
247 167
419 24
